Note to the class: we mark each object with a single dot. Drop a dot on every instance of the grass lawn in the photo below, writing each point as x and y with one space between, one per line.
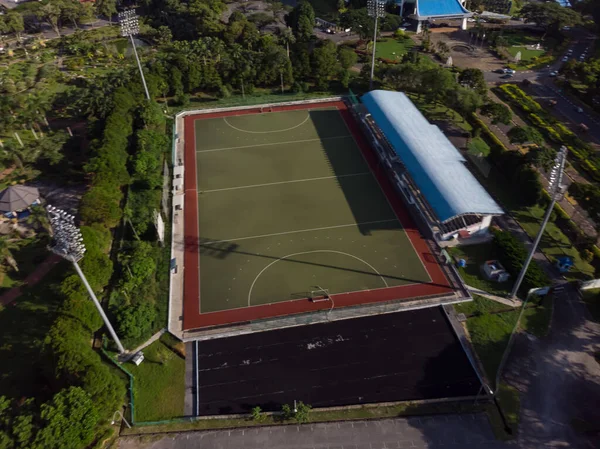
478 146
490 334
393 49
591 298
475 256
159 382
481 305
526 53
554 243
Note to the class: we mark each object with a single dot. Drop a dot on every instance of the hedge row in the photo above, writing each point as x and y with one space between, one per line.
555 132
512 254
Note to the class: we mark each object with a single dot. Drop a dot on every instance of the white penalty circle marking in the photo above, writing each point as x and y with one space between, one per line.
268 132
311 252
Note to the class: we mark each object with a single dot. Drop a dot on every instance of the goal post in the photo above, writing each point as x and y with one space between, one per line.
319 294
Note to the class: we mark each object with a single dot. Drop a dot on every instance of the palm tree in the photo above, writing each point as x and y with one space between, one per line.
286 36
7 245
38 218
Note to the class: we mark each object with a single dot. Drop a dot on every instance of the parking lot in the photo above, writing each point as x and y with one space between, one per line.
394 357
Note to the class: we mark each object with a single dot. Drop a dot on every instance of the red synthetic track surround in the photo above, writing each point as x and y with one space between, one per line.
193 319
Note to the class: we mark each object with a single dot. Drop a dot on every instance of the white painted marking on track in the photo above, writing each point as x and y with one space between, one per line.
284 182
311 252
268 132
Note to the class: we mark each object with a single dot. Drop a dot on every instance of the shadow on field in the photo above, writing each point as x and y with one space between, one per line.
221 250
342 160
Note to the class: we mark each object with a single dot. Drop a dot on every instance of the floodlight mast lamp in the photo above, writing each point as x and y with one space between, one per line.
68 244
376 9
555 190
130 27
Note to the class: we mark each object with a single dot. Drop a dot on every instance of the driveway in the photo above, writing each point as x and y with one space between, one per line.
446 431
559 379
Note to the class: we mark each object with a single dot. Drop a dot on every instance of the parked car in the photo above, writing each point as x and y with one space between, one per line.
579 109
508 75
583 127
509 71
565 59
551 102
570 52
553 74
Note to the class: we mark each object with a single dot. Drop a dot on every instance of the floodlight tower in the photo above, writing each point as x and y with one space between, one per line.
376 9
130 27
556 191
68 244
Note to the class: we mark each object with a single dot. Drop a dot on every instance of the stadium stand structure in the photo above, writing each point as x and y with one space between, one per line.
426 168
428 10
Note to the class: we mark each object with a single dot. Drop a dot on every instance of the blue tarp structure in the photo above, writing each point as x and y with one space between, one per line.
441 8
434 164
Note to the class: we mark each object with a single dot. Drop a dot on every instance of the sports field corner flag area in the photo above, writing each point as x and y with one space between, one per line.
286 204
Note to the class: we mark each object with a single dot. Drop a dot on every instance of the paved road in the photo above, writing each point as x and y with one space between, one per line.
559 378
449 431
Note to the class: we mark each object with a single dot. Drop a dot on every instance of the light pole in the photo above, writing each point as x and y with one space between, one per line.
68 244
118 412
555 190
130 27
376 9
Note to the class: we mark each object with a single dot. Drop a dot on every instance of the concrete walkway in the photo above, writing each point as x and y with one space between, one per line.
442 431
500 299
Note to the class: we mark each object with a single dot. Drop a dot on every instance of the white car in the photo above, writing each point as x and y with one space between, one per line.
553 74
565 59
580 110
509 71
570 52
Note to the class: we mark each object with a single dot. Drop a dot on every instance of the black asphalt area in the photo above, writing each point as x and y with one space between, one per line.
394 357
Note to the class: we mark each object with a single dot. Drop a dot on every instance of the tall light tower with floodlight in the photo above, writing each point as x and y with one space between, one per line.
68 244
376 9
130 27
556 191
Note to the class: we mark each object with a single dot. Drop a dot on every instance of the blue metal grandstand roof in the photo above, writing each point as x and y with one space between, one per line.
440 8
434 164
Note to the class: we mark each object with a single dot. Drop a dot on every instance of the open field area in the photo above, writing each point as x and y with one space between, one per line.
288 208
394 357
393 49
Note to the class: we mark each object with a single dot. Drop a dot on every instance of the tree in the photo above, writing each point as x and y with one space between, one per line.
106 8
302 414
436 83
286 37
7 246
15 24
588 196
551 16
359 21
68 420
302 20
38 218
542 157
497 112
525 134
134 321
257 414
324 63
347 57
51 13
464 100
473 79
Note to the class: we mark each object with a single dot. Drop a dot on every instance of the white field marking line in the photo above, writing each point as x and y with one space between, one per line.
302 230
312 252
271 144
385 196
268 132
285 182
